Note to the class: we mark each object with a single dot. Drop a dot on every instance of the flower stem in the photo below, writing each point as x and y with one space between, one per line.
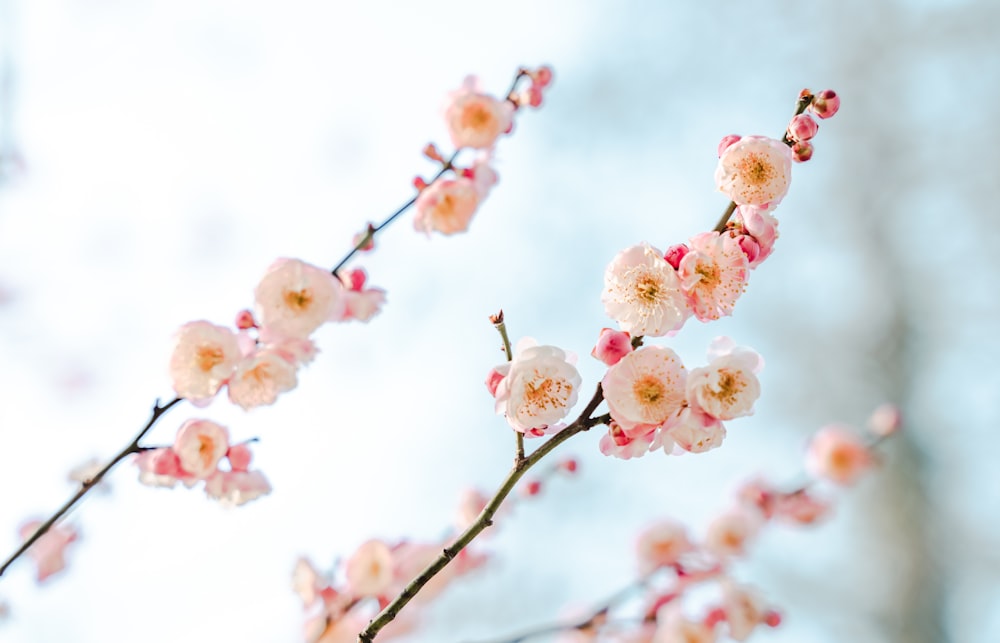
485 518
87 485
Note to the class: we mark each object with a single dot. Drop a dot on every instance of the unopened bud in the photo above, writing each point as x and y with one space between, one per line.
245 320
826 103
802 127
542 77
431 152
675 253
726 142
802 151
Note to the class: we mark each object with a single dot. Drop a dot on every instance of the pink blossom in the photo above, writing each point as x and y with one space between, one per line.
483 176
475 119
728 535
612 345
199 446
713 275
296 351
802 151
800 507
802 127
260 377
726 141
644 389
744 610
825 104
673 627
237 487
204 357
49 551
470 505
616 443
759 225
836 453
675 253
360 303
727 388
161 468
295 298
885 420
540 388
369 569
695 431
643 294
307 582
495 376
447 206
661 545
239 456
755 170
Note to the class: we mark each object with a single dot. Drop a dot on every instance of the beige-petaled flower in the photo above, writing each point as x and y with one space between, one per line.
260 377
369 570
294 298
643 293
645 389
446 206
199 446
475 119
203 358
539 389
755 170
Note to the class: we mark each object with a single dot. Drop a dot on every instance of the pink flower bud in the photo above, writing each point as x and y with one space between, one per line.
826 103
802 127
239 457
612 345
726 142
802 151
675 253
569 466
493 381
542 77
885 420
772 619
245 320
431 152
419 183
750 247
533 488
355 280
532 96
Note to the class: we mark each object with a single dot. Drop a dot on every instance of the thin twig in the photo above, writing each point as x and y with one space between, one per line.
485 518
87 485
501 327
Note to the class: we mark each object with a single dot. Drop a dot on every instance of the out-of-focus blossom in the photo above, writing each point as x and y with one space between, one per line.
446 206
369 570
475 119
237 487
643 294
836 453
49 551
885 420
295 298
728 534
661 545
203 358
260 378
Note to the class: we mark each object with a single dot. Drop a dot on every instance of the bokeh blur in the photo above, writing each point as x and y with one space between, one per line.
156 156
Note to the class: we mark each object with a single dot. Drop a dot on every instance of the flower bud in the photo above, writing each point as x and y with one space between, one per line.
826 103
802 151
245 320
802 127
675 253
612 345
542 77
726 142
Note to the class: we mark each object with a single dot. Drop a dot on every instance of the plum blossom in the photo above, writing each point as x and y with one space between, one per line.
49 551
643 293
360 303
760 231
237 487
475 119
644 389
713 274
837 454
695 431
616 443
447 206
662 544
755 170
369 569
200 445
728 534
728 386
161 468
295 298
260 377
540 387
203 358
744 610
612 345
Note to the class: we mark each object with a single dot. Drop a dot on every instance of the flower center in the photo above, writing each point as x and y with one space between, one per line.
648 390
647 289
476 117
208 357
728 386
709 273
755 169
298 300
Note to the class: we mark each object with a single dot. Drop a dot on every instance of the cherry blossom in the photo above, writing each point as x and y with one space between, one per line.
713 274
369 569
695 431
260 378
662 544
755 170
612 345
49 551
885 420
836 453
204 357
644 389
237 487
674 627
728 386
199 446
447 206
825 104
540 387
161 468
616 443
728 534
744 610
360 303
295 298
643 293
476 119
758 225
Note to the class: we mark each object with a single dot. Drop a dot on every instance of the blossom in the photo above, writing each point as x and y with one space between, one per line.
540 387
644 389
204 357
755 170
744 610
695 431
885 420
49 551
260 377
612 345
728 386
643 294
825 104
713 274
616 443
369 569
475 119
237 487
673 627
760 226
161 468
838 454
727 535
447 206
359 302
662 544
294 298
199 446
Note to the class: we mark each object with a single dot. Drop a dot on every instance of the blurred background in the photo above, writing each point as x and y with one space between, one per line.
156 156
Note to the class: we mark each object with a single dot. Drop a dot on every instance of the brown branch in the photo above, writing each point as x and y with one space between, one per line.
485 518
87 485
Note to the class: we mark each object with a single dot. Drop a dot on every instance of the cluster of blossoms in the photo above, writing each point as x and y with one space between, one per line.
672 563
198 450
475 121
655 403
342 602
